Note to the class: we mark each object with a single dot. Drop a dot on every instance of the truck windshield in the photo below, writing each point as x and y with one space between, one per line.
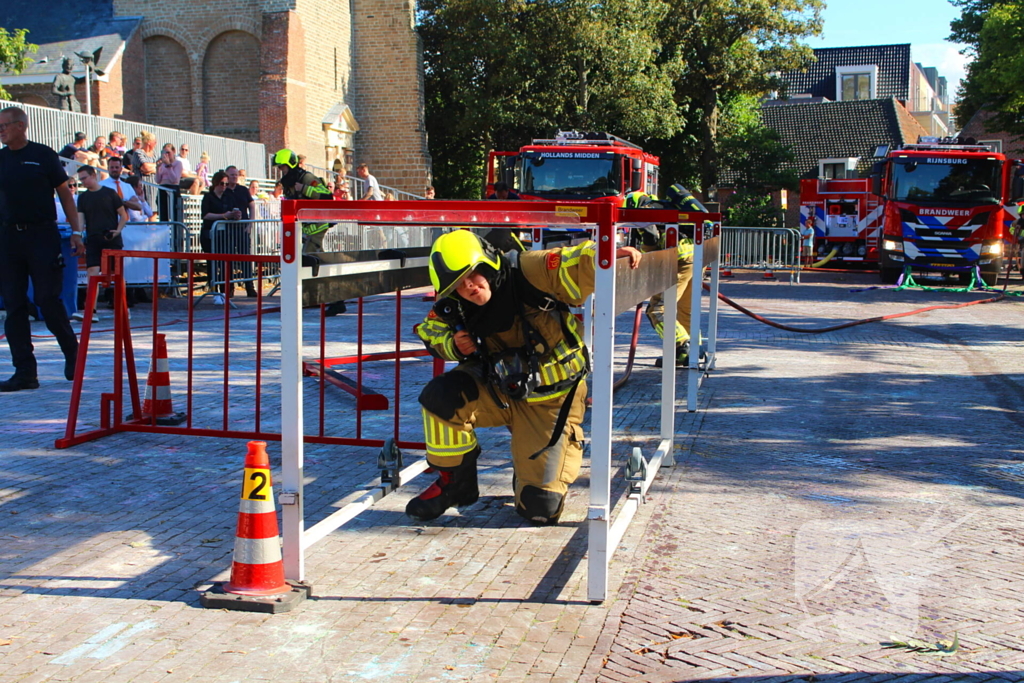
583 174
946 181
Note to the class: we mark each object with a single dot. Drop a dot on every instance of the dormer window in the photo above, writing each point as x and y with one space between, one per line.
858 82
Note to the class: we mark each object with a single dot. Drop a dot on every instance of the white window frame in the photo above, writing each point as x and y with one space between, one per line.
870 69
849 163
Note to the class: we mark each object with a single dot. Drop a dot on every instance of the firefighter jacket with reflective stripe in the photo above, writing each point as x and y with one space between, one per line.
566 274
312 188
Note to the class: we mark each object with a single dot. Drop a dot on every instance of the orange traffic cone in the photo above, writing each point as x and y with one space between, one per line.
257 569
769 275
157 403
725 272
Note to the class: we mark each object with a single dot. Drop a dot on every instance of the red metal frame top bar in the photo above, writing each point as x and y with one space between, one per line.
663 216
441 212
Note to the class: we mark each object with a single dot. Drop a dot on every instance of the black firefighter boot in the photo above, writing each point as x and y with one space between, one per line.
454 488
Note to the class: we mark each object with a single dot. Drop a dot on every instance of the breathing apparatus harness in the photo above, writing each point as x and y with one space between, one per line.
516 372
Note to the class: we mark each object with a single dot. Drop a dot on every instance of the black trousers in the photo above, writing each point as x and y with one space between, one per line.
33 253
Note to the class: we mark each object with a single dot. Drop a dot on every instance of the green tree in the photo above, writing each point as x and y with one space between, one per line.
14 51
728 48
749 209
500 72
994 33
755 154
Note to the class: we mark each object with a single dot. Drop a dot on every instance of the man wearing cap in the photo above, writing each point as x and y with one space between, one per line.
522 364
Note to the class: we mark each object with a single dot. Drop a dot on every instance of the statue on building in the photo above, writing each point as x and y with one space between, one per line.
64 88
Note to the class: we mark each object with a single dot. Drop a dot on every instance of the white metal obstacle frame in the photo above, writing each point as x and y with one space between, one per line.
602 218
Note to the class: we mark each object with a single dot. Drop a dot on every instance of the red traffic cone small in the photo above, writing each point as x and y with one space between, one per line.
769 275
257 569
725 272
157 403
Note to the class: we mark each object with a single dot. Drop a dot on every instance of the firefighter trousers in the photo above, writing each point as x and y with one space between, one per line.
457 402
684 292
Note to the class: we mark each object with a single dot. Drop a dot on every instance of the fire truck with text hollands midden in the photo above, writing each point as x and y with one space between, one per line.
575 166
939 205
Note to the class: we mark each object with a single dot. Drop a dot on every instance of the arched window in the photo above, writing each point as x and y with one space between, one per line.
231 82
168 83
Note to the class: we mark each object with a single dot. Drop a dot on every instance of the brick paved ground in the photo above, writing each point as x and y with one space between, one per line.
835 490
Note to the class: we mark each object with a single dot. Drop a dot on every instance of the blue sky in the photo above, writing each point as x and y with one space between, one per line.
922 23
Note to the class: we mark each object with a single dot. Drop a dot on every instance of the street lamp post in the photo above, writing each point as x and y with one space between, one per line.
90 61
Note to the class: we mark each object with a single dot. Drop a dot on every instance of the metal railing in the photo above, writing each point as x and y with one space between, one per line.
56 128
766 249
252 237
355 237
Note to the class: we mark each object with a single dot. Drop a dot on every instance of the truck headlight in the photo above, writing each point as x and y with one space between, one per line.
992 249
892 245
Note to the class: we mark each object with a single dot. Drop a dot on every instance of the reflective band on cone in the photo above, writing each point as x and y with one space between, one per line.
257 567
158 404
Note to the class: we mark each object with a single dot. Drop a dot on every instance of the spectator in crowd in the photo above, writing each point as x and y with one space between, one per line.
203 170
116 146
501 191
256 193
215 208
30 246
145 158
278 192
144 214
390 196
103 214
72 148
341 189
372 186
239 236
429 193
117 183
302 161
62 217
168 177
99 148
186 164
242 180
130 159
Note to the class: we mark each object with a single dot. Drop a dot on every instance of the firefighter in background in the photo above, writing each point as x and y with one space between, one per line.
298 183
680 199
522 364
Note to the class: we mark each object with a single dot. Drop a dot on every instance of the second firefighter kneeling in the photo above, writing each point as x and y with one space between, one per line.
522 364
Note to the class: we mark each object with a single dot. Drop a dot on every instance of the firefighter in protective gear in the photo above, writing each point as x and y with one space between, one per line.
680 199
522 364
298 183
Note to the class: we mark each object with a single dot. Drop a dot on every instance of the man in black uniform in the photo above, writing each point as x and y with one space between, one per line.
30 246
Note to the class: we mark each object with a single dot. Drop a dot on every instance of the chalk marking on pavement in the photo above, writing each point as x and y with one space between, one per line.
104 643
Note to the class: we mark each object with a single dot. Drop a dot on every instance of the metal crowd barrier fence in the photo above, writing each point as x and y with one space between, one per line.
765 249
56 128
245 238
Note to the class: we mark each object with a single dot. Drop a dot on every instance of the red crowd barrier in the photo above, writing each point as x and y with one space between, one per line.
114 403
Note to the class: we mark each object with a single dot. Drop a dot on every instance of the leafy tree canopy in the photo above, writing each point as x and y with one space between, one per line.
994 32
13 53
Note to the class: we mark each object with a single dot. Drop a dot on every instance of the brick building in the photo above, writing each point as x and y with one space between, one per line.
338 80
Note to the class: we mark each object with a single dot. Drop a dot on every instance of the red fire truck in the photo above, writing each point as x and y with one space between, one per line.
941 204
846 218
574 166
948 207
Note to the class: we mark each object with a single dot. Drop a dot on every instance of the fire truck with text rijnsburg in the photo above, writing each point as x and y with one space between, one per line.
942 204
575 166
